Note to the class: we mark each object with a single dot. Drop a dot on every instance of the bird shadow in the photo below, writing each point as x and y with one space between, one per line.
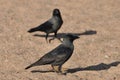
98 67
61 35
41 71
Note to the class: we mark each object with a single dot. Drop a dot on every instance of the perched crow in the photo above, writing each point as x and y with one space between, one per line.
58 56
50 26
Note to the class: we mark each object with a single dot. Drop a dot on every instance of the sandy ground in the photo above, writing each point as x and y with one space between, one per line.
96 56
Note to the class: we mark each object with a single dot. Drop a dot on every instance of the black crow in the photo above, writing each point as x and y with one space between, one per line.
50 26
58 56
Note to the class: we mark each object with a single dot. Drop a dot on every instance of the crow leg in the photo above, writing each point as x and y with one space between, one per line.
59 69
55 36
63 70
55 68
46 37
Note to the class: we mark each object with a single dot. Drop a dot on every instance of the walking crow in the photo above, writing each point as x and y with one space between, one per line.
58 56
50 26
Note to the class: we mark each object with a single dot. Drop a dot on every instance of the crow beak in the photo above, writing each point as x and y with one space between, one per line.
76 37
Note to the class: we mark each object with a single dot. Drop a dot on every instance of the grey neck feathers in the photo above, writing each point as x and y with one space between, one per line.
58 16
68 43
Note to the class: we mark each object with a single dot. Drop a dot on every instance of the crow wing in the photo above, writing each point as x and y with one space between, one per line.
57 56
46 26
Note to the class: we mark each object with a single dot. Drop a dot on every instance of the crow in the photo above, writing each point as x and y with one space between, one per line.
50 26
58 56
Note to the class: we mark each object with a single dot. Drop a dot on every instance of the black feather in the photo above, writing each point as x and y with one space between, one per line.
50 26
59 55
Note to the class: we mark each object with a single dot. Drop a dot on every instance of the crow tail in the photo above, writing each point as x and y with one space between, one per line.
33 30
29 66
35 64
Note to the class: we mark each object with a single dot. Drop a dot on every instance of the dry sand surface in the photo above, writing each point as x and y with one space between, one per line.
96 56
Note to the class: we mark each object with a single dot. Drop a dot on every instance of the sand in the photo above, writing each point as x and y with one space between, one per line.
97 52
